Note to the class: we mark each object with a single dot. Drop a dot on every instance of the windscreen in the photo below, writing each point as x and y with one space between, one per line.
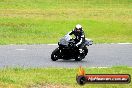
64 40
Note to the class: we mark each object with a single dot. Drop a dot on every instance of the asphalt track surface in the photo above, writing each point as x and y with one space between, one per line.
100 55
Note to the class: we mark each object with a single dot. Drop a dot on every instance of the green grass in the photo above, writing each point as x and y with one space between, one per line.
45 21
31 77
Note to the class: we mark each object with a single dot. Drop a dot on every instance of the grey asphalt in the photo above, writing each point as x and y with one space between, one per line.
100 55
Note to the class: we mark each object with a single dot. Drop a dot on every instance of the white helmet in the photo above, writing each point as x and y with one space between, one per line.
78 27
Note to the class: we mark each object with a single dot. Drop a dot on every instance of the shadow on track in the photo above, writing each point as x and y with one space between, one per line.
71 61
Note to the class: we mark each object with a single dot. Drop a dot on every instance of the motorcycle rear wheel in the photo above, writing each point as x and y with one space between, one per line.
79 58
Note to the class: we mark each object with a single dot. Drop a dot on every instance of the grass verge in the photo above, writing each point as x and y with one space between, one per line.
59 77
45 21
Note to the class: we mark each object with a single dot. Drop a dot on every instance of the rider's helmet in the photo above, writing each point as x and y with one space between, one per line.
78 28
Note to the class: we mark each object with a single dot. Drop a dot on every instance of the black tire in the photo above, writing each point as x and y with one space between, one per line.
79 58
82 55
85 50
55 54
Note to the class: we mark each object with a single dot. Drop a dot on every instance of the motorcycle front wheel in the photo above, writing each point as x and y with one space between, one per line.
55 54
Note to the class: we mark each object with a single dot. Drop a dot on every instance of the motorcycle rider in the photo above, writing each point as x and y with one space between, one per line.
79 36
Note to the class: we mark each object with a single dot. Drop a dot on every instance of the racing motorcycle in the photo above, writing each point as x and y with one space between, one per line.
67 49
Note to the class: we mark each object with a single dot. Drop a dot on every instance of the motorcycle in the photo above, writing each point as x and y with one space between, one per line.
67 49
